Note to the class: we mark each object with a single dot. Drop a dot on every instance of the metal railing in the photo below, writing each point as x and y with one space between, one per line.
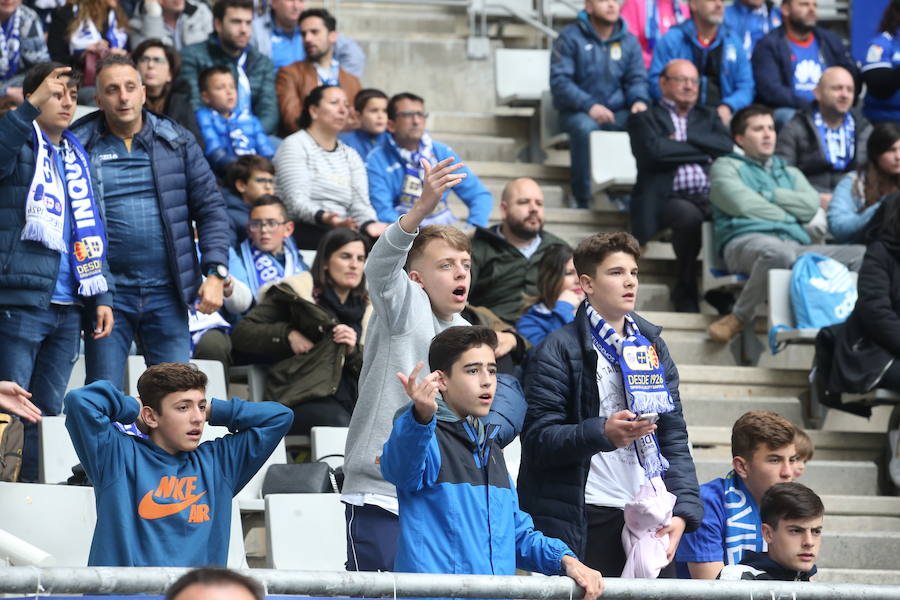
131 580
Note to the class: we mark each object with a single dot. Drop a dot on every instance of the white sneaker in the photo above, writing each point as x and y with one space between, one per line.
894 464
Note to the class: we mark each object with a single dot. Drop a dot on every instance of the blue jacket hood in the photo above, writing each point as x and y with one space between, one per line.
762 562
584 21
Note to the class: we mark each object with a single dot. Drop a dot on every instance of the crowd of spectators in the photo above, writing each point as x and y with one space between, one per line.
231 138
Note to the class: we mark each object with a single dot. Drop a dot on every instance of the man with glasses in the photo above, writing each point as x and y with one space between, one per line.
674 143
396 174
726 79
320 67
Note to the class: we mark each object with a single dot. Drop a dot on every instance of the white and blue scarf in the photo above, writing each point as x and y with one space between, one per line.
263 268
742 520
644 379
88 34
414 178
651 25
245 94
329 76
10 45
49 195
839 144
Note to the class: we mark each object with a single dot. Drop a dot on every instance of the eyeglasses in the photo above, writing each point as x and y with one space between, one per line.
683 80
409 114
157 60
264 180
267 225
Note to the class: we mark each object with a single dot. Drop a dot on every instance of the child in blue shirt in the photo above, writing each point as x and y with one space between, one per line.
370 106
227 133
166 500
459 512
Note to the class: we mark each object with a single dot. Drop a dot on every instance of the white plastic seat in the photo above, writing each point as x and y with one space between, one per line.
217 386
612 163
79 371
58 519
781 312
328 442
512 455
552 134
521 76
319 518
57 452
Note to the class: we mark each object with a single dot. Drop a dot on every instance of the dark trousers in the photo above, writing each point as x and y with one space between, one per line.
604 542
323 412
215 344
372 534
684 215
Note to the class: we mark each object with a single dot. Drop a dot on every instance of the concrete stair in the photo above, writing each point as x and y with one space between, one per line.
422 49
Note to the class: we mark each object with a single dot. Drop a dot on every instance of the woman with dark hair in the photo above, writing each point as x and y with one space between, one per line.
881 69
159 66
322 180
858 196
559 295
311 326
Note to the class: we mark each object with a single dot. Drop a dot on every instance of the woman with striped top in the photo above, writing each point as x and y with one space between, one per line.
322 180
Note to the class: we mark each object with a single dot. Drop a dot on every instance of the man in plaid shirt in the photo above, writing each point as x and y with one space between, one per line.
674 143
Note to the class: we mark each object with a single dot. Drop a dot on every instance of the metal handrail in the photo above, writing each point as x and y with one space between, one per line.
151 580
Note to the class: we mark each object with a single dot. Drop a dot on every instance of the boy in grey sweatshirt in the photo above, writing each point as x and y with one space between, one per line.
418 283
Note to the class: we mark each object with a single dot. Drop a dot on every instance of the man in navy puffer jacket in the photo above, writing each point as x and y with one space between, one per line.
597 78
154 182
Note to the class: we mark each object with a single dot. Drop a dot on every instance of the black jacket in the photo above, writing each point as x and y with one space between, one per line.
658 158
758 566
773 70
563 431
800 146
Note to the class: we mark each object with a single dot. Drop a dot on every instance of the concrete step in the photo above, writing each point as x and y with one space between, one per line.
507 171
860 523
823 476
860 550
362 19
838 420
472 147
741 376
505 123
702 409
554 196
873 576
885 506
855 446
396 64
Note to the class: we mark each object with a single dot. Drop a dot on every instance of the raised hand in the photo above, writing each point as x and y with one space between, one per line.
438 179
51 86
422 394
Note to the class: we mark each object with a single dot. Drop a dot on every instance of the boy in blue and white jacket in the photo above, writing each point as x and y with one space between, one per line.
167 500
227 133
459 512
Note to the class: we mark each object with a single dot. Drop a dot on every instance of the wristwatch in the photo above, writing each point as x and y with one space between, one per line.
219 270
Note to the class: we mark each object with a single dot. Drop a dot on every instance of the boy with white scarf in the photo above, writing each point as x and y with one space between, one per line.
52 246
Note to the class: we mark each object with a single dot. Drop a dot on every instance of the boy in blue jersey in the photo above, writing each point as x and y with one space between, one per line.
762 446
459 512
370 106
227 131
881 68
166 500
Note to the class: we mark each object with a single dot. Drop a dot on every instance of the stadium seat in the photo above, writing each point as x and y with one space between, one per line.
250 498
512 454
328 443
237 557
318 519
252 375
612 163
552 135
58 519
217 387
521 76
715 273
57 452
76 379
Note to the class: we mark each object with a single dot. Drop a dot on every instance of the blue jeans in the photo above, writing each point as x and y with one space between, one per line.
40 346
153 317
579 127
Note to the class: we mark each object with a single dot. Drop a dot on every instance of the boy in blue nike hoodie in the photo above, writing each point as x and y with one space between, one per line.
459 512
166 500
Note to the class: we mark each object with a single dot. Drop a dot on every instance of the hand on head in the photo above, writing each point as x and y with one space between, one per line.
52 86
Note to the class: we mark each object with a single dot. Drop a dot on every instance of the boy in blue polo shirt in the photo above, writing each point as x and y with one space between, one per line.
763 451
459 512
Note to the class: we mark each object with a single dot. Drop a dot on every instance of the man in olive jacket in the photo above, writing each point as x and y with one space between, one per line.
505 257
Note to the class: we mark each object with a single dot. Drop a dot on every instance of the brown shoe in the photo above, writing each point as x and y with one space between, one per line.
724 330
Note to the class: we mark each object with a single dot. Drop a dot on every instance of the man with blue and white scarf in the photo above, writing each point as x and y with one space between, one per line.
396 176
52 246
589 443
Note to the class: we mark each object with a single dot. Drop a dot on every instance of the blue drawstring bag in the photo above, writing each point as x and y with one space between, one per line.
823 293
